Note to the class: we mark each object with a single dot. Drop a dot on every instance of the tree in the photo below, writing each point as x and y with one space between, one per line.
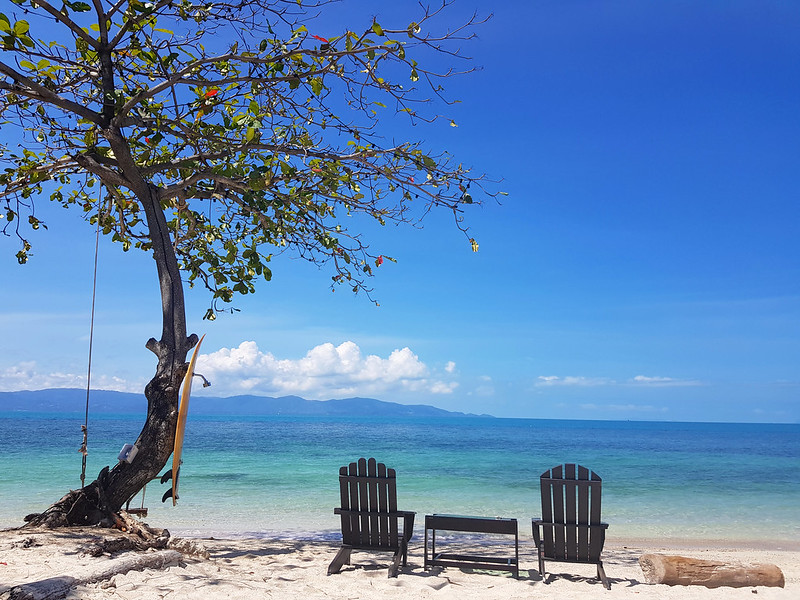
215 135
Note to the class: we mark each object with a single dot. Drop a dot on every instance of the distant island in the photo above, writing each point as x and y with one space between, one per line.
108 402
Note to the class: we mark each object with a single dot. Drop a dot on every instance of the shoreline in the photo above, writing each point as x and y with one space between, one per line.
525 542
333 535
525 538
251 568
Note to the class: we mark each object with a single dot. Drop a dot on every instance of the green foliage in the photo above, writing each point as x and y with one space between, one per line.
265 145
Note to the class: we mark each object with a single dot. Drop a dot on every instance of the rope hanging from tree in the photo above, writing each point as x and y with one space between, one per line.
85 427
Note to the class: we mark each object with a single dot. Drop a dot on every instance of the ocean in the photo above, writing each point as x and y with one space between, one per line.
277 476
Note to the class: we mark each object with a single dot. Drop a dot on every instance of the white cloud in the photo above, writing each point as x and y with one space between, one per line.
647 408
552 380
326 371
484 388
662 381
625 408
639 380
26 376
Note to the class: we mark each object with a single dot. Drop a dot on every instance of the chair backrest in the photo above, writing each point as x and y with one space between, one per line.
369 505
571 503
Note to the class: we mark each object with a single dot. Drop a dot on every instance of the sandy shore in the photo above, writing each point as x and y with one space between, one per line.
290 569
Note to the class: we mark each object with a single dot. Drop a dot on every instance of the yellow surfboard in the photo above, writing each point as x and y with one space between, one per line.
183 411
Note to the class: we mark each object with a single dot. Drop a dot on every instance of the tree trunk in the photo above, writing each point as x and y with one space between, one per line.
98 502
680 570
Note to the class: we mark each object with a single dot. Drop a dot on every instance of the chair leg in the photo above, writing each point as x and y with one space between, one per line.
342 558
395 566
540 552
601 574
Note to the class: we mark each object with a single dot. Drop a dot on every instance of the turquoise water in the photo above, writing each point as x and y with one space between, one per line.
277 476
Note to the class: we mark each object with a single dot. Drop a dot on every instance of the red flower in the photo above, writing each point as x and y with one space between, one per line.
211 93
379 262
321 39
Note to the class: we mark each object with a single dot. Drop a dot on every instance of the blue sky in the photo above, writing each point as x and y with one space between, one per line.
645 264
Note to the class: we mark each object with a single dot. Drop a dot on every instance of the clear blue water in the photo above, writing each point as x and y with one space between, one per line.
277 476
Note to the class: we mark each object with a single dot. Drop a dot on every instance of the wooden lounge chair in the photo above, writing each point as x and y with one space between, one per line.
369 514
570 529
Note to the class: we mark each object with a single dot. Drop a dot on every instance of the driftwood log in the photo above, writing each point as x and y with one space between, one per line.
680 570
54 588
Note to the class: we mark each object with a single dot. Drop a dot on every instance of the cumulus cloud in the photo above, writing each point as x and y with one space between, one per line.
27 376
326 371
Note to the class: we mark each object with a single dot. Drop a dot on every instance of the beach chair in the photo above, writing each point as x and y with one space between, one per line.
370 519
570 529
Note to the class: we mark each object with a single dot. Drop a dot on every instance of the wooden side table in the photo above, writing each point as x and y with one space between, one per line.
468 524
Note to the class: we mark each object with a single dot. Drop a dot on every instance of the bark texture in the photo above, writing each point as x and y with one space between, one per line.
55 588
680 570
99 501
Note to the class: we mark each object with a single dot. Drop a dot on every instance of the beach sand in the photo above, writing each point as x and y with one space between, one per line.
291 569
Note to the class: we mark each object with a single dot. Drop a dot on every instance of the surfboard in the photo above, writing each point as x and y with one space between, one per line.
183 411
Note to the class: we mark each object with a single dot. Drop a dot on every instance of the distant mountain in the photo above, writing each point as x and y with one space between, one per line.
101 401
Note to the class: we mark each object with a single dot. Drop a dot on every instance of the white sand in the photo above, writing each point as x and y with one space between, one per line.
296 570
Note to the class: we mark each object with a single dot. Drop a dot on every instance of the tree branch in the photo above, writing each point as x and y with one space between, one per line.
37 92
65 20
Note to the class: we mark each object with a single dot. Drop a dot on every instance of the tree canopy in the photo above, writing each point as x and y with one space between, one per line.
258 130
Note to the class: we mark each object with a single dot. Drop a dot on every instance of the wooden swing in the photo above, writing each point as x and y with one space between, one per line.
141 511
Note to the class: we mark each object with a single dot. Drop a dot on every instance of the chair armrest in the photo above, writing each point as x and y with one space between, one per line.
406 515
535 524
408 524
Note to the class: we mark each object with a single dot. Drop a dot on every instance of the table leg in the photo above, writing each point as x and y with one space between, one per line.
425 562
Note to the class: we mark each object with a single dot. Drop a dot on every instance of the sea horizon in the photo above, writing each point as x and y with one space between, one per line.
276 476
202 406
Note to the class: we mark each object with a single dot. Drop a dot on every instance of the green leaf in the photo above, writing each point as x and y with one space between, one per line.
78 6
21 28
377 29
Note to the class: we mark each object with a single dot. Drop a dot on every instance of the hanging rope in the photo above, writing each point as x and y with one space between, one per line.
85 427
